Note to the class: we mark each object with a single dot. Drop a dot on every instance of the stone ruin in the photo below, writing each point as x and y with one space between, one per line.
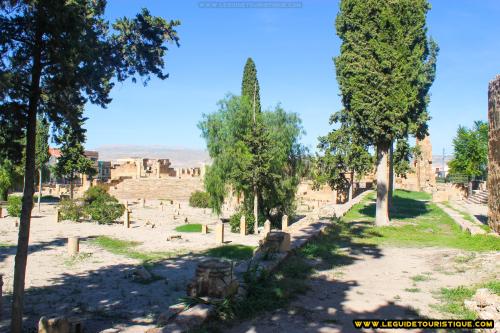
422 177
274 242
213 278
494 155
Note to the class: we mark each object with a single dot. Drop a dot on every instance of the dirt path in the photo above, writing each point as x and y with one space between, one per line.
377 283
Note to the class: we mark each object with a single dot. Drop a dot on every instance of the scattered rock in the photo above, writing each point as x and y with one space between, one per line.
60 325
169 238
193 317
141 274
172 311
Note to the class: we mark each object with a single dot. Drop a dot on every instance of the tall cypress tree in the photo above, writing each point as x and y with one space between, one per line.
256 140
250 84
385 69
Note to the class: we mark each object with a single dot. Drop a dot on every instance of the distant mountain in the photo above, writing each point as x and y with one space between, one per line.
179 157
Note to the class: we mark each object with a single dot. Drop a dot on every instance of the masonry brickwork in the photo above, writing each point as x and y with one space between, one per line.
494 154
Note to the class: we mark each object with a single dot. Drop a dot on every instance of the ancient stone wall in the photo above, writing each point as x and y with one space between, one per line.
422 176
494 154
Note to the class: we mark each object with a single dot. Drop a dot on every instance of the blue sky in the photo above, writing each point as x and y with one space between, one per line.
293 50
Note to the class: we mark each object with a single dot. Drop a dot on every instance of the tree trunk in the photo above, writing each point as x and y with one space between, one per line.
382 213
256 210
71 187
391 176
39 188
350 186
21 258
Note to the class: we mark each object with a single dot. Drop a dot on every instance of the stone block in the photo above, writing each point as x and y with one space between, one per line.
213 278
60 325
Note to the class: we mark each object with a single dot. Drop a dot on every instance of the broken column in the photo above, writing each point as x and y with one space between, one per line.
73 245
267 228
1 212
426 177
204 229
143 202
58 215
243 225
213 278
219 233
284 223
494 155
126 218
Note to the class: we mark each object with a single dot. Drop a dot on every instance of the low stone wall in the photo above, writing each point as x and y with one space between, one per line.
179 318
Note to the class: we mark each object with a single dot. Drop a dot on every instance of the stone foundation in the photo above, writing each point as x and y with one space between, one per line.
214 278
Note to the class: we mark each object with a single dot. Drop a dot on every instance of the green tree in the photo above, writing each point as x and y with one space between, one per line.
275 169
6 178
73 161
251 92
250 84
342 153
55 57
41 152
385 69
470 150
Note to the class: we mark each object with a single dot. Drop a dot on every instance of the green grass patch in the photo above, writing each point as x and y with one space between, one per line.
232 252
420 278
271 292
414 223
128 249
412 290
452 299
189 228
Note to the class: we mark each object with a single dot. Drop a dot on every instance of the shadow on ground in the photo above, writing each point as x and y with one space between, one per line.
105 297
323 307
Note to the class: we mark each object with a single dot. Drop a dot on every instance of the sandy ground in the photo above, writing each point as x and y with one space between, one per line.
98 284
376 282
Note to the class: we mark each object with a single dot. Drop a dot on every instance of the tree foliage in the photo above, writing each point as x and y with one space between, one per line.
470 150
56 56
73 161
385 69
42 143
341 153
231 143
250 84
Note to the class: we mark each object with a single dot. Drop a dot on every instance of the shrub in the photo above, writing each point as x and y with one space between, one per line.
95 193
14 204
199 199
234 221
105 211
102 206
70 210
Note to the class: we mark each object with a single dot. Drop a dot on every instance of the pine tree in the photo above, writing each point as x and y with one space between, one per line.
385 69
56 56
